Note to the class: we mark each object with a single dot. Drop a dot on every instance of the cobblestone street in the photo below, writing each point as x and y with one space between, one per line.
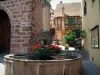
1 69
2 64
88 67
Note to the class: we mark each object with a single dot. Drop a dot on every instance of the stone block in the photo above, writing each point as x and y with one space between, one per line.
20 14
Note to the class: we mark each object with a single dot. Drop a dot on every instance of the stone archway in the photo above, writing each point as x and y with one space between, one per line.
5 31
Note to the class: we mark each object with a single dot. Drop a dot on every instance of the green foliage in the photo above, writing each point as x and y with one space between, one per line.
46 2
70 37
82 34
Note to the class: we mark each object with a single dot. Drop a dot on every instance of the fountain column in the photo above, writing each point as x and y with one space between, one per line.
46 17
47 38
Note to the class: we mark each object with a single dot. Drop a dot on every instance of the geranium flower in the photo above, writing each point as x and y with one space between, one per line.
49 50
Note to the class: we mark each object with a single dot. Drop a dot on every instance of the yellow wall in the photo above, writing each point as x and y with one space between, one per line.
60 34
89 21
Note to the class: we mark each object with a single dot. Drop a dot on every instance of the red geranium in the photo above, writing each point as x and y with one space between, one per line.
48 50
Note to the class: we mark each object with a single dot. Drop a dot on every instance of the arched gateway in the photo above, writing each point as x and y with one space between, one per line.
20 22
5 31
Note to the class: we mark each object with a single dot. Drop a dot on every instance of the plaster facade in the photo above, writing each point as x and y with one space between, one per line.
89 21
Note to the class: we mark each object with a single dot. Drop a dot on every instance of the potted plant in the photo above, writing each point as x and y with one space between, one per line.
69 38
44 52
82 34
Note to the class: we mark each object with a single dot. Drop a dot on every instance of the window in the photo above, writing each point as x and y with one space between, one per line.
66 21
95 37
70 21
77 20
59 21
85 8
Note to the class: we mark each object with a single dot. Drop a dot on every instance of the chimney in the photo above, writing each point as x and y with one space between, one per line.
61 2
62 10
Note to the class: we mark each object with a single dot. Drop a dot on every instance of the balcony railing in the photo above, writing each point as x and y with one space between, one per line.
72 26
59 26
68 26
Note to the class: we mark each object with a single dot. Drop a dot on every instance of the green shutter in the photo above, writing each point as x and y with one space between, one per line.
71 20
66 21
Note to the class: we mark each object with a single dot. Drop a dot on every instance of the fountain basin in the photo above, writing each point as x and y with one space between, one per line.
15 66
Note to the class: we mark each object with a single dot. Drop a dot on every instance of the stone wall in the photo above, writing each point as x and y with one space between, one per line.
25 17
37 19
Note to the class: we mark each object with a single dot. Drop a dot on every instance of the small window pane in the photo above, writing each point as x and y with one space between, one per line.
95 37
71 20
66 21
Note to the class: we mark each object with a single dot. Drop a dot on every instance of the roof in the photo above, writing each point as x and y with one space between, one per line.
71 9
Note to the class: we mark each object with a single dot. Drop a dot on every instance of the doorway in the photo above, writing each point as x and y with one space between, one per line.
5 31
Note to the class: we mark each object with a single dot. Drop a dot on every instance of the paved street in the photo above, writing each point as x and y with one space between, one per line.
88 67
2 64
1 69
